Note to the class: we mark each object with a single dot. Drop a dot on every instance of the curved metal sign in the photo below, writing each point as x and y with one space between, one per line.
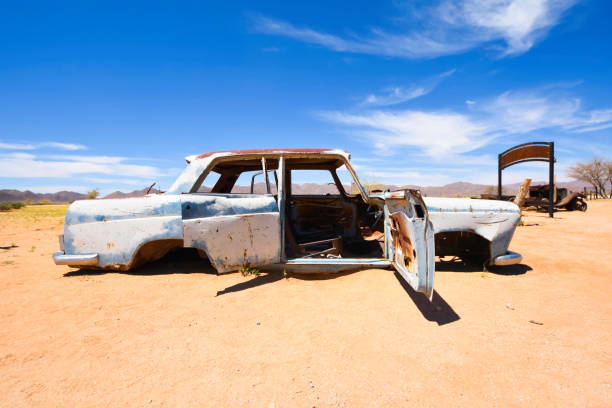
526 152
535 151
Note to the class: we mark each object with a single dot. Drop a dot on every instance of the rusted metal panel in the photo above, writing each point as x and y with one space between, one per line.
495 221
234 230
325 265
236 241
523 153
411 243
116 242
115 229
271 151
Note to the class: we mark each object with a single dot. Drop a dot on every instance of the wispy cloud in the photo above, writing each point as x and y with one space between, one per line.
33 146
448 27
445 134
436 133
63 146
519 112
17 146
398 94
23 165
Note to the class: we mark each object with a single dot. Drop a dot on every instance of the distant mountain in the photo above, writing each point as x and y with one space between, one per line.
461 188
135 193
59 197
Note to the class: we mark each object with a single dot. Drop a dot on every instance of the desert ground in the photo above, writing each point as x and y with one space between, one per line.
174 334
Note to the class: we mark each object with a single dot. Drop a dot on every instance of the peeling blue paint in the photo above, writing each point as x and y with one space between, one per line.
203 206
85 211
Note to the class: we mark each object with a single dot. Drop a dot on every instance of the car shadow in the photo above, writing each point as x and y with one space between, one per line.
182 261
460 265
259 280
437 310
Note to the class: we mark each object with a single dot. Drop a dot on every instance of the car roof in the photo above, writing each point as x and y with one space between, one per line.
249 152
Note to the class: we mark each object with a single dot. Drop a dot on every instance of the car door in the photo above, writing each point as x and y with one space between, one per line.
410 239
234 230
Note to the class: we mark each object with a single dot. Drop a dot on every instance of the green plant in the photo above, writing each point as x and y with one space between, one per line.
8 262
11 205
249 270
522 223
32 249
284 273
483 274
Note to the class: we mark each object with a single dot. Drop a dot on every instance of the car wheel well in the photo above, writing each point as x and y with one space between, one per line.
153 250
467 245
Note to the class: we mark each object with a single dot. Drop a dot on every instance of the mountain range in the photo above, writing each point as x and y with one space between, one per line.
461 188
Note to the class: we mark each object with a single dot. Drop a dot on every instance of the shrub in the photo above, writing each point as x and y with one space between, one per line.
10 205
93 194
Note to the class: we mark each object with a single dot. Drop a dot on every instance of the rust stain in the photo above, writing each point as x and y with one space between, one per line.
400 239
399 204
263 151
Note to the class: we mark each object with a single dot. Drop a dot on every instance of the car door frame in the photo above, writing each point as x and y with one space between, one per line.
234 230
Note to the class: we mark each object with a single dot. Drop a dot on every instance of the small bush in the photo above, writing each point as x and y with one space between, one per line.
249 270
11 205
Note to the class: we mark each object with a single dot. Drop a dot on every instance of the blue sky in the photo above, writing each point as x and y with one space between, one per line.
113 95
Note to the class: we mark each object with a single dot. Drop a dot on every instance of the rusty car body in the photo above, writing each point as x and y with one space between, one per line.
280 228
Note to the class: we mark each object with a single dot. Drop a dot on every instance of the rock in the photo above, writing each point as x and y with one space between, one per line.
536 322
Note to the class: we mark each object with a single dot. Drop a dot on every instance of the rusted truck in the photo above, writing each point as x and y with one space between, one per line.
209 208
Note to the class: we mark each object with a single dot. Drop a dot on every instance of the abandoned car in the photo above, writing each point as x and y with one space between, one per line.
216 207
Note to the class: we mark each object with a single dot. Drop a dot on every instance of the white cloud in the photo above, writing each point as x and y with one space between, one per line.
19 165
30 146
63 146
119 181
519 23
397 94
438 134
448 27
17 155
517 112
444 135
17 146
378 43
90 159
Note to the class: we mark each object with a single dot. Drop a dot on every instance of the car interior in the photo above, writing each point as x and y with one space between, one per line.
321 220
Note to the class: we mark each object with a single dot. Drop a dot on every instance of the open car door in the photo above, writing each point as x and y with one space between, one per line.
410 239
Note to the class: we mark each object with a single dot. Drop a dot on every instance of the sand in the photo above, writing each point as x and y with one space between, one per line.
174 334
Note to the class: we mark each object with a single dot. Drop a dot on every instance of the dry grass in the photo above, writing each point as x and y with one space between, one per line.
36 217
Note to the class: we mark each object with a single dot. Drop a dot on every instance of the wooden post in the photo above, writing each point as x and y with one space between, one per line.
499 176
522 193
551 180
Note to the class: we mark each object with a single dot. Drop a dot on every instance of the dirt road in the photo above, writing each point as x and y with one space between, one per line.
174 334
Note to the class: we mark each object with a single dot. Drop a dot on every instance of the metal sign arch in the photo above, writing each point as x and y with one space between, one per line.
528 152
